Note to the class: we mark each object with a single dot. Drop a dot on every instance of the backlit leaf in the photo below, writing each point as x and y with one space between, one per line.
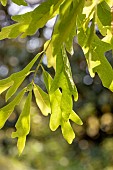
20 2
5 84
8 109
65 28
67 131
51 61
23 124
42 100
75 118
63 79
3 2
56 113
55 100
103 9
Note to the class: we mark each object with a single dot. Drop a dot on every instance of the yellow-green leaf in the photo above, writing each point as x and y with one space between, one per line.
5 84
23 124
3 2
42 100
75 118
67 131
8 109
56 113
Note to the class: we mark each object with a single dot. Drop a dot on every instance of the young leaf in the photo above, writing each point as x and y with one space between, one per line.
56 117
19 77
55 100
20 2
95 58
23 124
103 8
51 61
75 118
67 131
8 109
63 79
56 113
5 84
65 28
3 2
42 100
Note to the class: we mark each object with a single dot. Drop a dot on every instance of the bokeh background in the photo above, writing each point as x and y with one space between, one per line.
92 148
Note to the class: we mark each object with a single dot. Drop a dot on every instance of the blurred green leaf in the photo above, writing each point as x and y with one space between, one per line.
103 9
23 124
42 100
20 2
8 109
3 2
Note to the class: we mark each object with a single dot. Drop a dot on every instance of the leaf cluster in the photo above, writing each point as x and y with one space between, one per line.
73 18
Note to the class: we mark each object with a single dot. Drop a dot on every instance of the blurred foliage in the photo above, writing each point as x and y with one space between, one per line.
92 148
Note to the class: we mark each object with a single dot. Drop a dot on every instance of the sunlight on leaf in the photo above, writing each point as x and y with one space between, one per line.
42 100
67 131
23 124
8 109
5 84
75 118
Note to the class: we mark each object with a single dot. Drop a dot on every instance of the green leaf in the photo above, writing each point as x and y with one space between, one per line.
67 131
47 80
104 14
20 2
95 58
55 100
3 2
65 28
30 22
19 77
23 124
75 118
5 84
63 79
51 60
56 113
56 117
42 100
8 109
104 68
